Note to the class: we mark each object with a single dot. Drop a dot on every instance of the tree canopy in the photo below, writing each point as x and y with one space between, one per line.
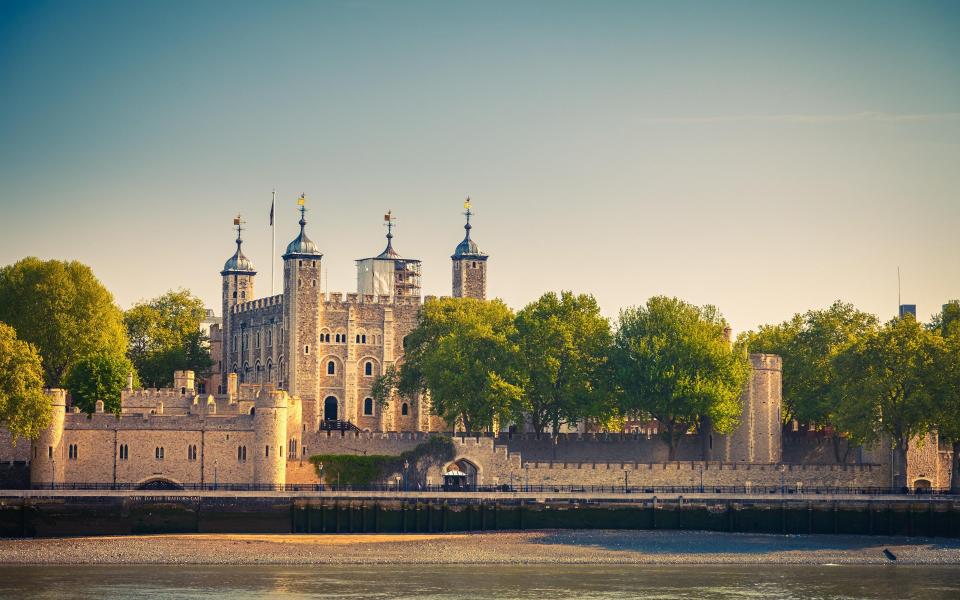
563 343
165 336
672 362
62 310
100 376
24 409
890 381
461 353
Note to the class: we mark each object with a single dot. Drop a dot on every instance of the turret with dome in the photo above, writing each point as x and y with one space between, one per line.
469 264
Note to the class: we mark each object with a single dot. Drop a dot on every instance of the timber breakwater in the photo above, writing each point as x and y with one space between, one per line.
84 513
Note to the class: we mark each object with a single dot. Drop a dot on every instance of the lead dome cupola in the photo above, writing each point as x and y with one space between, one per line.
238 263
302 246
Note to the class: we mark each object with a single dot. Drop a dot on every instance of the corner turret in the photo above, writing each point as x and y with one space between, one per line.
469 265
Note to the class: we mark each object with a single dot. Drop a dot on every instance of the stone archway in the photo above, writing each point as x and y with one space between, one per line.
922 485
330 408
468 468
159 483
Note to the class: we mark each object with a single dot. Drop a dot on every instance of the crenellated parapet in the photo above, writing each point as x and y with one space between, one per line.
258 304
341 300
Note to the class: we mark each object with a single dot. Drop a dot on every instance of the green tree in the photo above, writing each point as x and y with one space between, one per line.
563 344
461 354
165 336
61 309
100 376
24 409
808 344
889 383
672 362
947 325
947 321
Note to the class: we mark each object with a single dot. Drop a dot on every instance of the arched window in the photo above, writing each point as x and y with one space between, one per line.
124 452
72 452
358 338
331 368
241 453
363 339
404 409
326 338
368 406
158 453
253 410
368 368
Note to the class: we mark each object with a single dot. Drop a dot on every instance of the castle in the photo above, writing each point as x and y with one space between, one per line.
294 375
328 349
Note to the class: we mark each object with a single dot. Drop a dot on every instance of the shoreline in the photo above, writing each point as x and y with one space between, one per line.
586 547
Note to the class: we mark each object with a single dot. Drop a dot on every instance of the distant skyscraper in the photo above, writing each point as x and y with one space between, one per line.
908 309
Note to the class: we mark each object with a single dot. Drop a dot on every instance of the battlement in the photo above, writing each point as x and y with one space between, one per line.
340 299
137 421
766 362
257 304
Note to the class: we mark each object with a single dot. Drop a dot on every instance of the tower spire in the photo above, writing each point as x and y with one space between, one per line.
389 220
238 223
467 213
302 201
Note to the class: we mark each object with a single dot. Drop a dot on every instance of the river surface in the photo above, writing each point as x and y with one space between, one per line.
473 581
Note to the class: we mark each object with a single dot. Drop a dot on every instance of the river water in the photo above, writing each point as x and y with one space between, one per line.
480 581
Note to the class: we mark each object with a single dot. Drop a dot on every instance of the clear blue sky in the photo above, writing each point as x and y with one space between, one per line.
766 157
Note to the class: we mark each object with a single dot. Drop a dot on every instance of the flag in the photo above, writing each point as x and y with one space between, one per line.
236 220
466 203
302 199
272 202
386 217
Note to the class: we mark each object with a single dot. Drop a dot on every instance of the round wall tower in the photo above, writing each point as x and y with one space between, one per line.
758 438
47 460
270 436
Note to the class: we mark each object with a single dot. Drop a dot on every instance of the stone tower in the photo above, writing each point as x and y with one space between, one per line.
238 274
48 461
469 265
302 303
758 438
270 434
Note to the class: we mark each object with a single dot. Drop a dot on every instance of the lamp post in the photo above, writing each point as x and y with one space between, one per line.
215 462
783 474
526 468
701 478
320 466
406 466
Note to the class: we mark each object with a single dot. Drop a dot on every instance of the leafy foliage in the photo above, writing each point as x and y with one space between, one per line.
100 376
165 337
462 353
671 361
352 469
563 343
24 409
890 382
62 310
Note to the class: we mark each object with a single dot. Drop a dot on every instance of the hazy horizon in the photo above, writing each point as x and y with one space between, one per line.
767 158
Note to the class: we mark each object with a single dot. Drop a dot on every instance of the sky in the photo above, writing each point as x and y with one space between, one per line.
765 157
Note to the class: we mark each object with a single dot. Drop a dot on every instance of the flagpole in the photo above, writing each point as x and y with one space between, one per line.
273 242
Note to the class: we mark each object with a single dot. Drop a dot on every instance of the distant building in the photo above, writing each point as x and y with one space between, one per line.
908 309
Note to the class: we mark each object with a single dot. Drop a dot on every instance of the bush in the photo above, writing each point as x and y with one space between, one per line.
353 469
